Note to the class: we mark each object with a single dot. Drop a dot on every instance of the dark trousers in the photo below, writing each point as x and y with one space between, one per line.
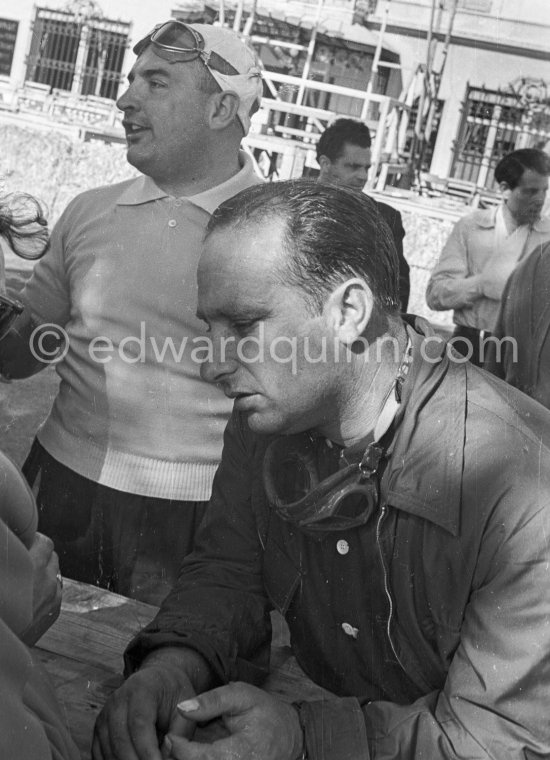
132 545
468 341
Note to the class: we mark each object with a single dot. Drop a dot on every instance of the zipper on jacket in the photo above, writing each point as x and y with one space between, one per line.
383 513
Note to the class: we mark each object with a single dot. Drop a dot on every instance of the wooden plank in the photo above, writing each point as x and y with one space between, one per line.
82 689
95 626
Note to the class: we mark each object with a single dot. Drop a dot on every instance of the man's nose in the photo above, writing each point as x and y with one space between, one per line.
220 362
127 99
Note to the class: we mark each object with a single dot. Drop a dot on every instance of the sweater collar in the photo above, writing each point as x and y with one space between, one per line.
144 190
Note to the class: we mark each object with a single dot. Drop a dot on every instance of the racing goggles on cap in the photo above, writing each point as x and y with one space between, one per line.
10 309
179 43
344 500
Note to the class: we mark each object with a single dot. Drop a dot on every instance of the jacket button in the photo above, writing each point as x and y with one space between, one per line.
350 630
172 223
342 546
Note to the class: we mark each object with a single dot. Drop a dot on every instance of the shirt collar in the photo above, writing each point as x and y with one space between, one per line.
424 473
141 190
209 200
144 190
487 218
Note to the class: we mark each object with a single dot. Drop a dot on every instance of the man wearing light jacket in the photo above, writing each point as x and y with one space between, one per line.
484 248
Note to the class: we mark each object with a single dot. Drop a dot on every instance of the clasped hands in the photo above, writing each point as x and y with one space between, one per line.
148 709
260 727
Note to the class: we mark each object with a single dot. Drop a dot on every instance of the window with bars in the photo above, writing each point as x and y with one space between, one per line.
493 124
82 55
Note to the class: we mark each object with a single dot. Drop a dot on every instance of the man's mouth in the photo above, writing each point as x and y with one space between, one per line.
133 130
534 213
237 394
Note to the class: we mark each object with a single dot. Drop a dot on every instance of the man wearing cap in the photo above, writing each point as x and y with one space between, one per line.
384 495
124 462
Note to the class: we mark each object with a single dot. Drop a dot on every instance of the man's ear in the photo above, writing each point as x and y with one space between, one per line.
505 189
222 109
325 163
349 309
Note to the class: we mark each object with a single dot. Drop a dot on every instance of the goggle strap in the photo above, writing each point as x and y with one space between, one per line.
371 460
392 401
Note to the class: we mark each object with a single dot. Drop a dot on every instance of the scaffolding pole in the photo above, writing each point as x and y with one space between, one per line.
425 69
375 62
237 21
438 76
310 53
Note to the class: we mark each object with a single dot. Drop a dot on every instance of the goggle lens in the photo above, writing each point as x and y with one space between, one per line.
344 500
174 37
10 309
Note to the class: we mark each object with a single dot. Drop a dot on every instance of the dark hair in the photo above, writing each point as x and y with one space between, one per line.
23 225
342 131
510 168
330 234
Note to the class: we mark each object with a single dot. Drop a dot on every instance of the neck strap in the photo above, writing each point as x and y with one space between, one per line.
373 453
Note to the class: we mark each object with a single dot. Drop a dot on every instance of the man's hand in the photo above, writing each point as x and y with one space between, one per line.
260 727
46 588
136 717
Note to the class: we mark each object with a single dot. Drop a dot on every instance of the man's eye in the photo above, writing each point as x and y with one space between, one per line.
155 84
245 325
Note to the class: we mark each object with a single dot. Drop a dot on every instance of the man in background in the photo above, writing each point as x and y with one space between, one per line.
485 246
344 158
125 461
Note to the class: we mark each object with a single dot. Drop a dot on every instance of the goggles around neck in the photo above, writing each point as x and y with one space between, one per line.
10 309
347 498
344 500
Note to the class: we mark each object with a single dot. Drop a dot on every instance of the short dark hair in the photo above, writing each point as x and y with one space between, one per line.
342 131
330 234
510 169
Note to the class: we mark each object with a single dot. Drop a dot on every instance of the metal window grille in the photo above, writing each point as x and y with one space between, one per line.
82 55
493 124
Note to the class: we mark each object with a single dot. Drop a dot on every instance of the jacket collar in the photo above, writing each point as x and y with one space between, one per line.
424 473
144 190
486 218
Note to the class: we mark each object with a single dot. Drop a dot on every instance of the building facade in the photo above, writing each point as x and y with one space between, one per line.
477 71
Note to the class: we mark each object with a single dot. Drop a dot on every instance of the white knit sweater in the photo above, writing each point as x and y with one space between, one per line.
131 411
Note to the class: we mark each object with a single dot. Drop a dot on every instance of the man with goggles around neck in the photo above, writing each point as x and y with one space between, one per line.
385 496
127 456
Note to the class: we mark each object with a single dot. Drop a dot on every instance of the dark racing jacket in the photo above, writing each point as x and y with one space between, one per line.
462 535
